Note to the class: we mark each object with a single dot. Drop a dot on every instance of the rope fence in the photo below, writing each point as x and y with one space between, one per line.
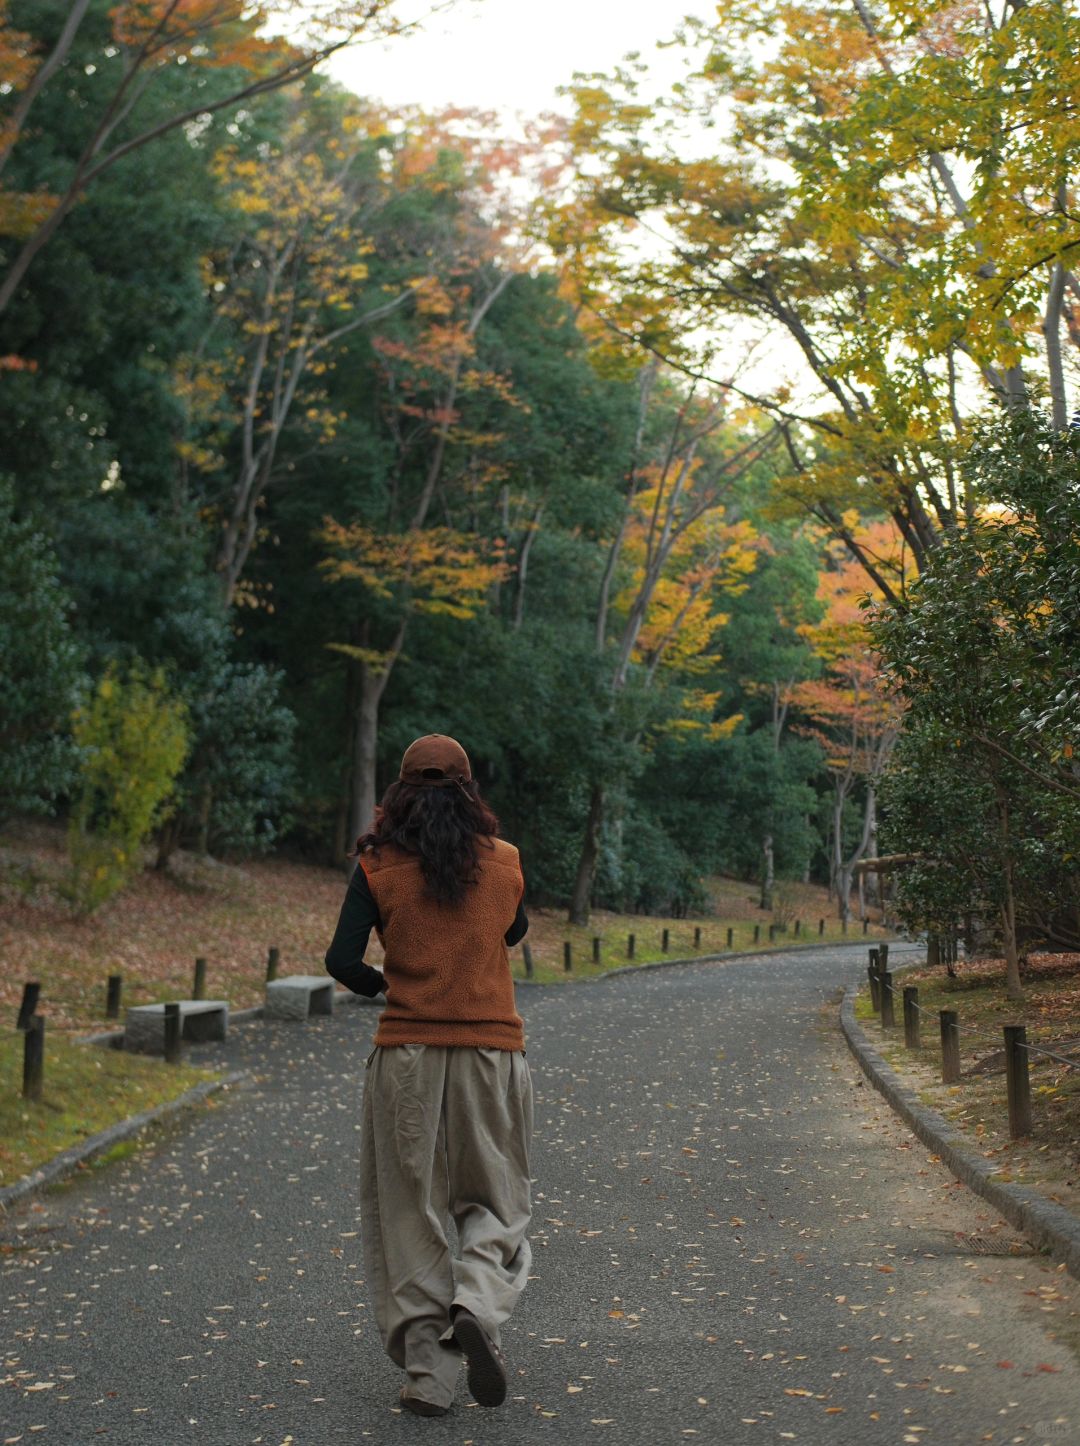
1017 1048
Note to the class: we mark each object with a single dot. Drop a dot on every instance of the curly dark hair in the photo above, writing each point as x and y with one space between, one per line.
445 826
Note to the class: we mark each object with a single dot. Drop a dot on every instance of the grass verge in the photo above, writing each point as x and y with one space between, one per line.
1050 1158
86 1089
802 914
549 933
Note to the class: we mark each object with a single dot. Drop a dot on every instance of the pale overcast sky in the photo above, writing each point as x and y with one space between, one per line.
511 55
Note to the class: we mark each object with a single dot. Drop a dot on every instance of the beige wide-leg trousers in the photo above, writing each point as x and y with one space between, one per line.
446 1132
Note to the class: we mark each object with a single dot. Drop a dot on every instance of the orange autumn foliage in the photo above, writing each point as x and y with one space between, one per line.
850 713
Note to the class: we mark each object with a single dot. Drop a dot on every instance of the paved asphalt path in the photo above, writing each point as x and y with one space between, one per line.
734 1242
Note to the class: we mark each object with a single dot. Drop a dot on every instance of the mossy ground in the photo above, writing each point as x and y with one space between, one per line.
86 1089
1050 1010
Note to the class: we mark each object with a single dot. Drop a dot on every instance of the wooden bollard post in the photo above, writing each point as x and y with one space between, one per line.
697 936
596 949
664 942
630 946
526 954
798 927
198 986
950 1045
933 951
30 996
172 1034
888 1013
820 927
883 957
112 996
34 1059
1017 1081
873 974
757 933
730 938
567 956
272 964
911 1016
865 925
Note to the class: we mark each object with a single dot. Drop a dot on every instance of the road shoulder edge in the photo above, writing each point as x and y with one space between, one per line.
1049 1227
69 1160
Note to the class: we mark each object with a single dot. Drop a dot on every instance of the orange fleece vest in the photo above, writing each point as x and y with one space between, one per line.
447 968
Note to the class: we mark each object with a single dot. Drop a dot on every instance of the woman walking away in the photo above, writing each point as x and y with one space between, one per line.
447 1117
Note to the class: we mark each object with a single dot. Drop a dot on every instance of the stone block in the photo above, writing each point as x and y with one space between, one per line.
201 1020
300 995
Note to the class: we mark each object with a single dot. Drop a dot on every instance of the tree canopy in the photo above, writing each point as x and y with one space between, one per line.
328 424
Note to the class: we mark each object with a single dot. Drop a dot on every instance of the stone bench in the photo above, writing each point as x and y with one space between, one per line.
201 1020
300 995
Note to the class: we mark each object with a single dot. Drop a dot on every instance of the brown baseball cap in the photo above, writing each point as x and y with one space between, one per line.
435 761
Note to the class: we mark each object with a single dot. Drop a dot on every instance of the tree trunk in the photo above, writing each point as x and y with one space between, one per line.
342 815
843 892
35 243
364 752
1013 987
206 799
523 565
845 868
1052 336
768 877
41 78
870 883
373 683
168 842
590 848
836 862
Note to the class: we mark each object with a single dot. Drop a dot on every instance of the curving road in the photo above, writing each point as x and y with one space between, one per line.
734 1241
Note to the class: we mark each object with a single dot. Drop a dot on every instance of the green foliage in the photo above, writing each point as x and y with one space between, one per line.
122 408
39 665
1027 466
721 801
985 653
132 739
642 869
139 594
235 795
978 832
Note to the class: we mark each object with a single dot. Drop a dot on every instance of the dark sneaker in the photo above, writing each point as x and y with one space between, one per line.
419 1407
486 1367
